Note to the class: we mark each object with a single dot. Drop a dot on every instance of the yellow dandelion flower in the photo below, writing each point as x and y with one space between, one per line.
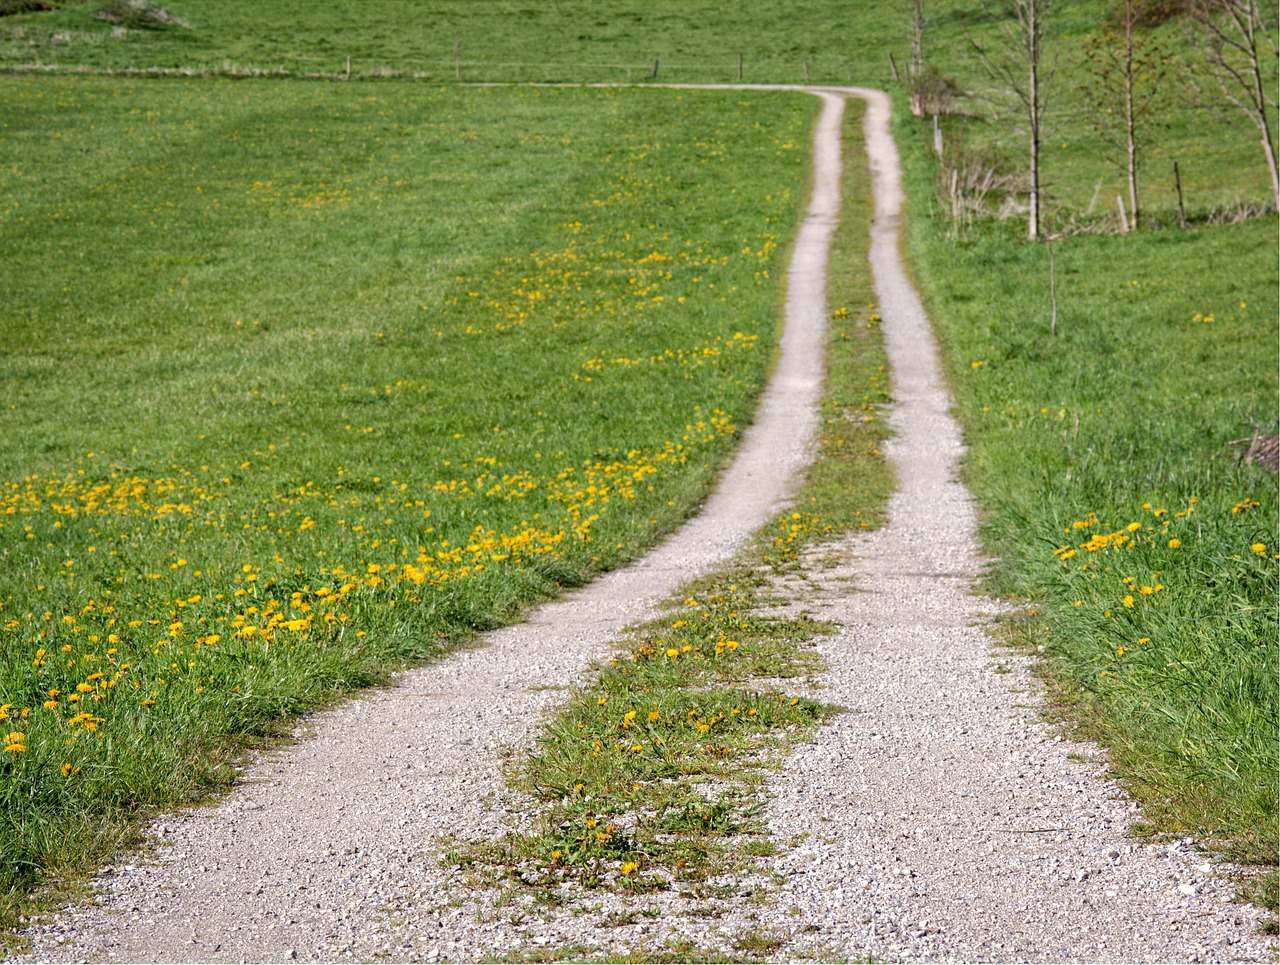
629 868
1259 548
1174 543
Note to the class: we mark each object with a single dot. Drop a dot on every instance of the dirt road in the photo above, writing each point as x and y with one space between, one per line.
941 820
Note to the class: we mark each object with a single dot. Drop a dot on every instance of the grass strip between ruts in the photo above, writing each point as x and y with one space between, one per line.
650 776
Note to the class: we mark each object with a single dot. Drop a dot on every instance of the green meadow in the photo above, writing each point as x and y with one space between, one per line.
307 381
305 378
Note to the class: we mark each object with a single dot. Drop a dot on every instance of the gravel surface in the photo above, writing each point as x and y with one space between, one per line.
939 819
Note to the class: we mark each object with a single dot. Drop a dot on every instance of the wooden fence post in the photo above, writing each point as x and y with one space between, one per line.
897 78
1177 183
457 59
739 68
1053 287
1124 219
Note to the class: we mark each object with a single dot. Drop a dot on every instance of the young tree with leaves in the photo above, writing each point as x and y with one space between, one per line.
1019 69
1125 71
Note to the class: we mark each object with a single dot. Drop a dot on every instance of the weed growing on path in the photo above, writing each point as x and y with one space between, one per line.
644 777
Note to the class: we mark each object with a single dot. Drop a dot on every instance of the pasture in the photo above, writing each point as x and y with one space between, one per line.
304 383
306 377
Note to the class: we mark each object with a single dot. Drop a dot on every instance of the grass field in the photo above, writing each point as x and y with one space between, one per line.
822 41
307 381
304 379
692 41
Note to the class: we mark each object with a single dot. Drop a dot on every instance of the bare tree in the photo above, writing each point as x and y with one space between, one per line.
1125 72
1235 41
1018 67
917 36
915 71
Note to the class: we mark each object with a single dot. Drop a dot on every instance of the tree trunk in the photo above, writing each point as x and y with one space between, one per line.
1230 29
1261 116
1130 121
917 37
1270 150
1033 113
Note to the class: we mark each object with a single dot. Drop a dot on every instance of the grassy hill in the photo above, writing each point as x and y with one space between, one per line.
306 376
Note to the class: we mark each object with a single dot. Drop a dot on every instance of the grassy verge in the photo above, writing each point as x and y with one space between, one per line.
650 777
304 381
1113 499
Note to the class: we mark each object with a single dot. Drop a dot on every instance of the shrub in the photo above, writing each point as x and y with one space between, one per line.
137 13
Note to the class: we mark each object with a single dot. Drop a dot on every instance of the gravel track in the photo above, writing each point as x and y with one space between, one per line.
939 820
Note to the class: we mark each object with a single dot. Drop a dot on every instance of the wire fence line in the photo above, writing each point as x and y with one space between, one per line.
475 71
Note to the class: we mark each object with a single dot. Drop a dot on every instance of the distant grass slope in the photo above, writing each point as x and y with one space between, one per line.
693 41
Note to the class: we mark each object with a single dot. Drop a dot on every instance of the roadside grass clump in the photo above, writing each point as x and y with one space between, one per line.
305 382
1113 500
